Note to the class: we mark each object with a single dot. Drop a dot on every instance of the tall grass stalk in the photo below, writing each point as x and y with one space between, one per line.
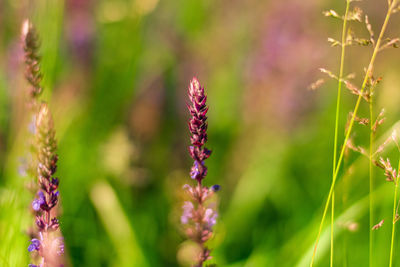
356 164
339 89
371 181
367 75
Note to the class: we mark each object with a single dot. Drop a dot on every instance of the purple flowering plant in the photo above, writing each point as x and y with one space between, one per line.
199 215
47 247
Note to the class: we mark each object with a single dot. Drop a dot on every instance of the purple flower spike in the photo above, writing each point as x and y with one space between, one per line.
199 217
35 245
43 162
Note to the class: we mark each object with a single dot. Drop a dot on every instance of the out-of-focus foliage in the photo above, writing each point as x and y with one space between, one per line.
115 76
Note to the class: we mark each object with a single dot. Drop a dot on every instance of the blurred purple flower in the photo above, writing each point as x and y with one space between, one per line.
80 29
282 65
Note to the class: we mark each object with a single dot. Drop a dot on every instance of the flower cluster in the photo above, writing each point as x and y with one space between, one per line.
32 59
47 166
198 127
50 245
390 172
206 217
50 248
33 75
199 214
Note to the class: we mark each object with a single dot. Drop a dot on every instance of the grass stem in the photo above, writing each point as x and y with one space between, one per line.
396 183
339 89
394 224
367 75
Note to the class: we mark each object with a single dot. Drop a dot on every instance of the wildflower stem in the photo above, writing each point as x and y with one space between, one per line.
339 89
367 75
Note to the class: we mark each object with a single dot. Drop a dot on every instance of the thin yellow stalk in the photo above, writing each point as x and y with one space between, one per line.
337 121
367 75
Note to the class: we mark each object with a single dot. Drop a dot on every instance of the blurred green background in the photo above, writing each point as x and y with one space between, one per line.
116 74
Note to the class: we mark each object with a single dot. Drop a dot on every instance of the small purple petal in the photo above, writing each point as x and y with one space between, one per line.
31 248
61 247
42 198
210 217
55 181
36 204
215 187
36 242
35 245
195 170
213 219
187 212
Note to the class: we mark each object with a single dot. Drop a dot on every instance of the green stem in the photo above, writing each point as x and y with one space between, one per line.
371 183
367 75
345 251
396 183
339 89
394 224
332 225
